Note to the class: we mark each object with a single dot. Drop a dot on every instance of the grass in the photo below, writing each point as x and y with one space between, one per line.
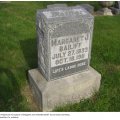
18 54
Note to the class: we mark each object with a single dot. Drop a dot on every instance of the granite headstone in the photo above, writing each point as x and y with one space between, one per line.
64 75
64 40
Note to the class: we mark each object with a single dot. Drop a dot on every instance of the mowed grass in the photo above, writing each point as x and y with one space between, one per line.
18 54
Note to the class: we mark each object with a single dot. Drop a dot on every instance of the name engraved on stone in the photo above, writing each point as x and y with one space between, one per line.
69 49
69 53
64 13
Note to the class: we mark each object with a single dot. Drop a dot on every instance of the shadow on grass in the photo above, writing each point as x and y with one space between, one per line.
10 95
29 49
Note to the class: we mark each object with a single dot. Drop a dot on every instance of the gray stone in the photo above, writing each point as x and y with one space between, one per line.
70 89
115 11
64 40
88 7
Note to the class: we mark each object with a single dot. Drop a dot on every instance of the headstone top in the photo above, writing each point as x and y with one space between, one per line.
59 13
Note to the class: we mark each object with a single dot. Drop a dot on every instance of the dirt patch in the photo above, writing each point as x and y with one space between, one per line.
30 99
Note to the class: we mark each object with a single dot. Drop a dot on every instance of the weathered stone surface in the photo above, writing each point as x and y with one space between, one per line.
88 7
70 89
64 40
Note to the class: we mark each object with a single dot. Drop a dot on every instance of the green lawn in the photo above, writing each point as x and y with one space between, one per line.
18 54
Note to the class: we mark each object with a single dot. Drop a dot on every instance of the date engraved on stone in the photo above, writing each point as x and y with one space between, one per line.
69 49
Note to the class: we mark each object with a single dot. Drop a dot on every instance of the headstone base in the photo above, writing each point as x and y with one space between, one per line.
71 89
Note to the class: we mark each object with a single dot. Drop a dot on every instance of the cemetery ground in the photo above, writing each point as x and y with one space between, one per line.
18 54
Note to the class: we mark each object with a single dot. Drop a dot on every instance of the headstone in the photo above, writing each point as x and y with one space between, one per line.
64 38
64 41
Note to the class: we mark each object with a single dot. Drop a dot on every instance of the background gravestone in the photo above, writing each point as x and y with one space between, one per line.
105 10
64 37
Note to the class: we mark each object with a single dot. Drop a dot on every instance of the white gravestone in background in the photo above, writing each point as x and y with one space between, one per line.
64 38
